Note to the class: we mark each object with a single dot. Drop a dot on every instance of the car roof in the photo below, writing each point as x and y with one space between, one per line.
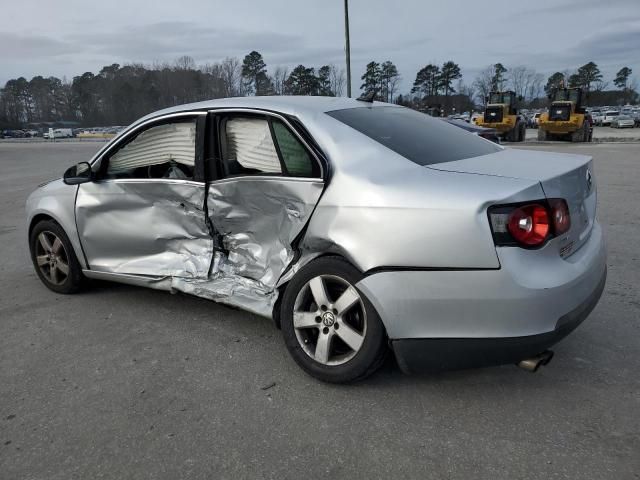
288 105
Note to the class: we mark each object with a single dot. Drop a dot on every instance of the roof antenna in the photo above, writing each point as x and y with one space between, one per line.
369 97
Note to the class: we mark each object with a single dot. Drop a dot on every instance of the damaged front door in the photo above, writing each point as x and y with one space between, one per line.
267 184
144 214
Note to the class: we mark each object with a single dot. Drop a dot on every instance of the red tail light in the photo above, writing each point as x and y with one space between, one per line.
529 225
560 215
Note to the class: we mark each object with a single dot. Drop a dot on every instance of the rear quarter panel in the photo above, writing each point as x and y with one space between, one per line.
382 210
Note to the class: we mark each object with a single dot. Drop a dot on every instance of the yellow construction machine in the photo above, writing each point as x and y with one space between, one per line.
566 119
501 114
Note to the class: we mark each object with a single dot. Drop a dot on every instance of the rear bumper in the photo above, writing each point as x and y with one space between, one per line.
439 354
485 317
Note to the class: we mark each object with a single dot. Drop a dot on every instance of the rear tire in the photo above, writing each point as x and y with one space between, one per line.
54 259
578 135
330 328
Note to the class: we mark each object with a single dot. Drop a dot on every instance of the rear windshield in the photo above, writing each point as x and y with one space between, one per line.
416 136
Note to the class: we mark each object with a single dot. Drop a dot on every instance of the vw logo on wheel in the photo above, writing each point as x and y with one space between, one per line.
328 319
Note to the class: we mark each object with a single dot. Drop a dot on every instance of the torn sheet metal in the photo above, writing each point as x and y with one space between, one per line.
257 219
158 229
224 285
145 227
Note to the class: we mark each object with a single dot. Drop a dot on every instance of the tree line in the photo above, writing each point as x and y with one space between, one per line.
117 94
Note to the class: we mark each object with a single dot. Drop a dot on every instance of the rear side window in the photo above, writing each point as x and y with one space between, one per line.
295 157
250 147
416 136
256 145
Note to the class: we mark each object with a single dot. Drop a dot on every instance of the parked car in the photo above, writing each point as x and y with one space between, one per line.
355 226
598 117
535 120
608 117
59 133
490 134
623 121
14 134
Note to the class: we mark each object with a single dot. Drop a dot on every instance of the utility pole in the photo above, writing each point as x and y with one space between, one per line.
347 46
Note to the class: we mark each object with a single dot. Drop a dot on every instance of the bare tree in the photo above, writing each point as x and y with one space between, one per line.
231 75
525 82
185 63
483 83
535 88
519 79
337 80
600 85
279 78
464 89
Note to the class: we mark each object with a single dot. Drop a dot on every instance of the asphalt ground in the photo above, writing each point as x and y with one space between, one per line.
124 382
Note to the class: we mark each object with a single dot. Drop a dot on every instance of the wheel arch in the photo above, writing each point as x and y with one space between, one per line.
283 287
40 217
44 215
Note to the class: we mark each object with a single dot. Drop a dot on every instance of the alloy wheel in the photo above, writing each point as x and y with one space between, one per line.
52 258
329 320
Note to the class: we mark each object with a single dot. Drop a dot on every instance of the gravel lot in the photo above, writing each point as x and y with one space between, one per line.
122 382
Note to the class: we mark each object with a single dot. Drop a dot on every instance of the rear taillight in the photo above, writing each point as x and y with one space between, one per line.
560 216
529 225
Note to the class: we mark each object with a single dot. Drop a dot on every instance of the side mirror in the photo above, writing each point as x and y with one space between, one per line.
80 173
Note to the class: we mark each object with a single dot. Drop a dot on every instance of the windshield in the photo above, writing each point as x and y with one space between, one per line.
500 98
414 135
568 94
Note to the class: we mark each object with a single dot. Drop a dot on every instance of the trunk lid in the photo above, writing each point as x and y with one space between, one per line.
561 175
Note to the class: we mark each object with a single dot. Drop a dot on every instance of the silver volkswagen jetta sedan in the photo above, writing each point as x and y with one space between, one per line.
356 226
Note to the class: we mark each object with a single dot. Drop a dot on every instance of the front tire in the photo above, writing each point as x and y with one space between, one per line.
54 259
523 132
330 328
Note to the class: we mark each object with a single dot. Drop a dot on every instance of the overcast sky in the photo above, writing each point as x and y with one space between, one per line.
69 37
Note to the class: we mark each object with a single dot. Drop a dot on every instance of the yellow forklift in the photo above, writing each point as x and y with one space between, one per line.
501 114
566 118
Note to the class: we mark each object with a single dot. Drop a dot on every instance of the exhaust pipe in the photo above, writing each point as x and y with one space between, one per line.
534 363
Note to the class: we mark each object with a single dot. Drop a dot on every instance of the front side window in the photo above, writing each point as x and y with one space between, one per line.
161 151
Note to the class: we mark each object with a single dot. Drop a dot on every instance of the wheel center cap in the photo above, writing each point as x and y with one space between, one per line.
328 319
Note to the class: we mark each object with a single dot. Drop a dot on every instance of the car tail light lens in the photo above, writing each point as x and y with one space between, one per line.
560 216
529 225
